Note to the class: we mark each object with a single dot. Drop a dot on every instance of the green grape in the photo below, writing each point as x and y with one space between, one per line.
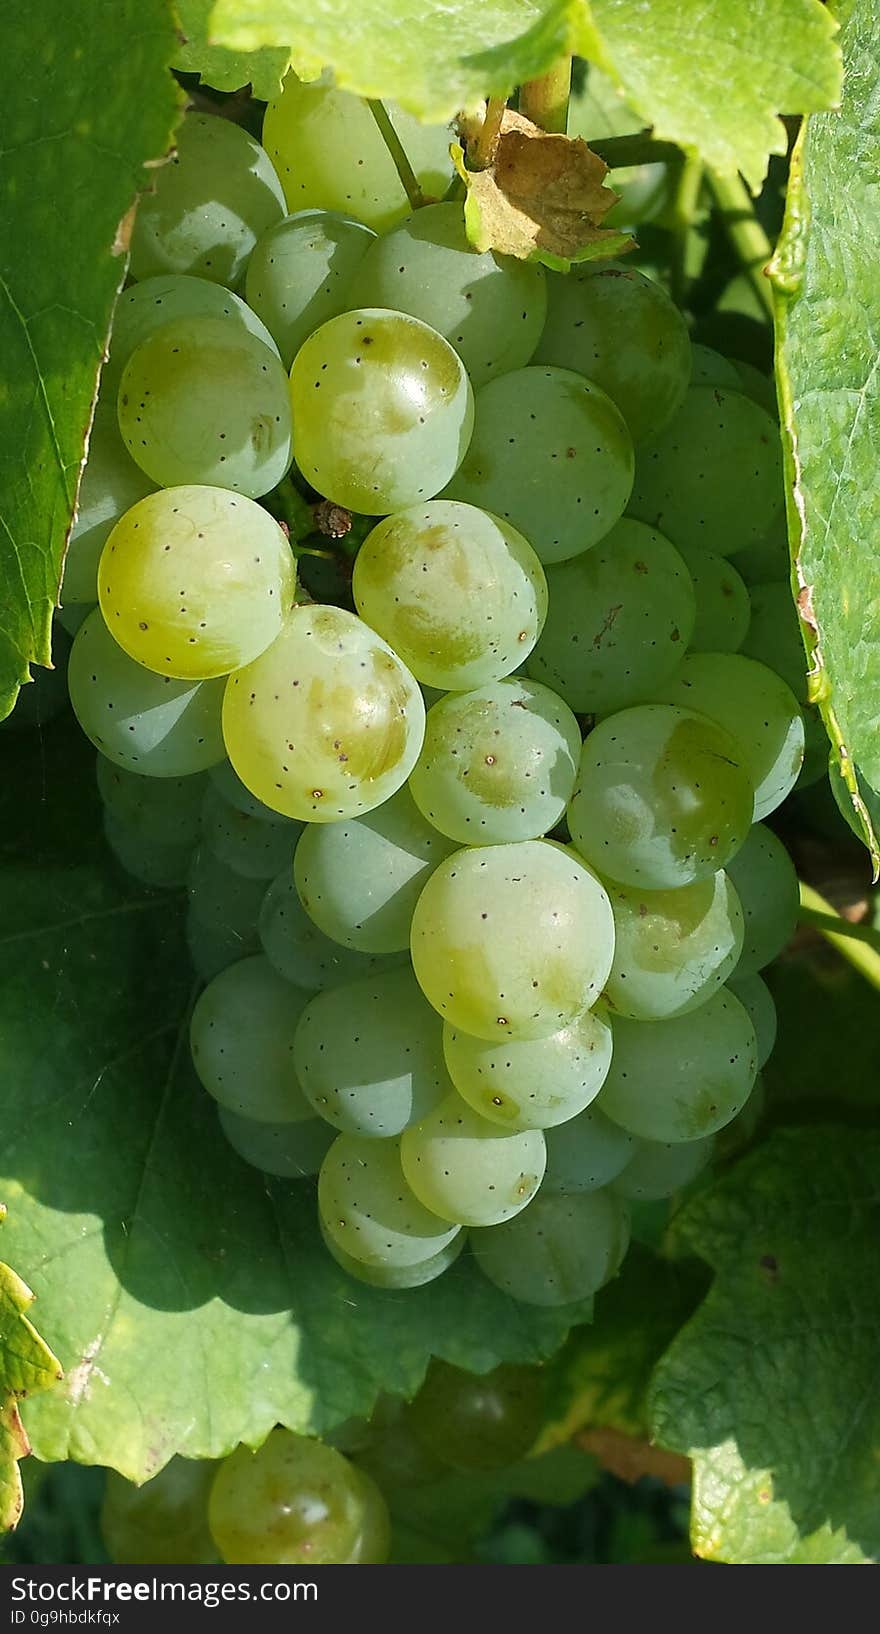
225 902
723 608
204 401
709 368
396 1276
295 1502
143 308
478 1421
586 1153
661 1168
774 637
490 307
683 1077
360 880
209 206
330 154
741 1130
328 722
713 478
301 272
767 558
459 594
551 454
620 618
766 883
145 722
228 783
498 763
162 1523
294 1150
212 949
621 330
154 862
167 809
560 1249
672 948
466 1169
111 484
245 844
532 1083
369 1055
300 951
662 798
755 997
383 410
194 582
755 707
368 1210
512 941
393 1455
241 1036
760 387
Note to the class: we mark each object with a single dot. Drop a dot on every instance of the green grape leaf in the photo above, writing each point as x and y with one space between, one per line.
189 1298
771 1387
226 70
828 314
803 1076
714 74
96 105
433 57
26 1367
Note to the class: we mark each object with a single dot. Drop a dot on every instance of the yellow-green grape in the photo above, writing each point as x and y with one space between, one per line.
478 1421
145 722
111 484
551 454
723 607
684 1077
458 593
756 998
562 1248
619 622
660 1168
300 274
195 582
159 863
382 410
145 307
498 764
241 1036
369 1055
294 1150
300 952
368 1209
532 1083
395 1276
755 707
619 328
330 154
360 880
245 844
512 941
295 1502
228 783
713 478
586 1153
766 559
202 400
466 1169
767 886
328 722
672 948
490 307
210 204
167 809
225 902
165 1521
663 797
711 368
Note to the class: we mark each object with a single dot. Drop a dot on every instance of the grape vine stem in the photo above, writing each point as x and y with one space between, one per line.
409 179
858 944
481 151
545 101
638 149
744 231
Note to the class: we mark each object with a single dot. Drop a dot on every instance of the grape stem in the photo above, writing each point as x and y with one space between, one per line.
409 179
858 944
685 208
744 231
481 151
638 149
545 101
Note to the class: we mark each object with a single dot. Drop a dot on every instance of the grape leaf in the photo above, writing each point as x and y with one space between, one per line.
26 1366
714 74
803 1076
189 1299
433 57
828 320
226 70
96 104
772 1387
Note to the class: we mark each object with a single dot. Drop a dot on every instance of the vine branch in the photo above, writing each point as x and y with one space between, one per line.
744 231
481 150
638 149
409 179
858 944
545 100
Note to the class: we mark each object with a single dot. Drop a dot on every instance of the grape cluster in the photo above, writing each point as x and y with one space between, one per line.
489 969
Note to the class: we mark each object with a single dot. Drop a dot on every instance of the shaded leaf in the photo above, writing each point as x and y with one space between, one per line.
226 70
27 1366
